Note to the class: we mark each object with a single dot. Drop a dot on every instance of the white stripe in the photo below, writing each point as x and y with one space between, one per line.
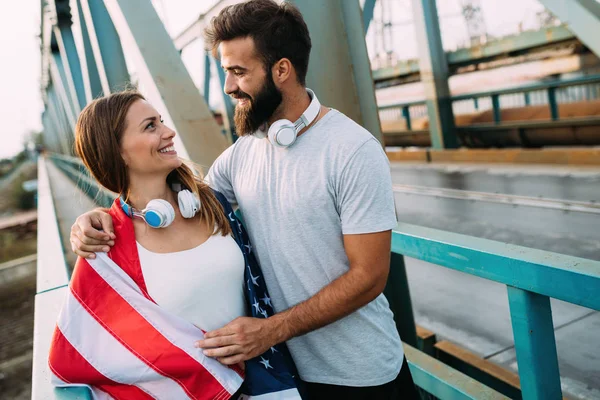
290 394
97 394
107 355
178 331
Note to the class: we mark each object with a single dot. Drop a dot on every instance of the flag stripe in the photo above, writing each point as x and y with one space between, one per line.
78 366
178 331
125 323
114 360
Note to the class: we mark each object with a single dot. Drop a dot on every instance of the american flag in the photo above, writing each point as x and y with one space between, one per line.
113 338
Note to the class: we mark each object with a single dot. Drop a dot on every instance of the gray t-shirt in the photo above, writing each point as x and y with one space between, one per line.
298 202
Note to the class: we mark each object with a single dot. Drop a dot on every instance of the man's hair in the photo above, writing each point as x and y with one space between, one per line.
278 31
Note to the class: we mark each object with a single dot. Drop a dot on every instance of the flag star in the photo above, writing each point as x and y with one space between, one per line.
266 300
254 279
249 248
264 313
248 284
274 350
265 363
256 305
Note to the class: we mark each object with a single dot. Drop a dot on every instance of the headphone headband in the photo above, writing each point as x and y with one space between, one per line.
311 112
283 133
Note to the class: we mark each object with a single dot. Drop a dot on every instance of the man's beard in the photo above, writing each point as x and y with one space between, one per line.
248 119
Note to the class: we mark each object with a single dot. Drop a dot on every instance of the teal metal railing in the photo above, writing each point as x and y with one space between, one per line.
73 167
532 277
551 94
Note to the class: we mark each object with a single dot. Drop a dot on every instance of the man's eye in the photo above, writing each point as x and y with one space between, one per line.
237 73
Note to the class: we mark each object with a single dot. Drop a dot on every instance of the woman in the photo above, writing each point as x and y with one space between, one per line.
179 267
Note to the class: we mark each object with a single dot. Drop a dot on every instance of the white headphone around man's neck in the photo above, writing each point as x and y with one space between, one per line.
283 133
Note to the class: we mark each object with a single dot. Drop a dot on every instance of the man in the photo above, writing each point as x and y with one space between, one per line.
319 213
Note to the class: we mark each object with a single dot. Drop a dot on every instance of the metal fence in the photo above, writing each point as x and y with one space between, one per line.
551 94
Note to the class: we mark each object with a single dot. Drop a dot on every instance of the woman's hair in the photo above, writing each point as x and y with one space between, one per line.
98 137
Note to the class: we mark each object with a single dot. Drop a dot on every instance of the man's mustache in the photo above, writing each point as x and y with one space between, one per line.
240 95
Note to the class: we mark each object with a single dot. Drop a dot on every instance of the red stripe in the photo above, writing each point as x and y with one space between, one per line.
70 366
139 336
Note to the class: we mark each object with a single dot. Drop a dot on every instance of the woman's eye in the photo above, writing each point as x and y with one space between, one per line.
150 125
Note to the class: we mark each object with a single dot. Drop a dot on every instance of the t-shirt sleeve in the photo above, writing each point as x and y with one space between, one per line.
365 194
219 176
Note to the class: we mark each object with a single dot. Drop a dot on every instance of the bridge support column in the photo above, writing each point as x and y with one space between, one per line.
91 79
434 75
166 80
59 116
207 65
227 106
582 17
368 10
398 294
535 344
106 47
339 70
68 52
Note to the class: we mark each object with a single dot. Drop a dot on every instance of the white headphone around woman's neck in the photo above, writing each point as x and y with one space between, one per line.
159 213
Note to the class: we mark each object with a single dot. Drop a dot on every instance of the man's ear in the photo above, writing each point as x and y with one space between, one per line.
282 70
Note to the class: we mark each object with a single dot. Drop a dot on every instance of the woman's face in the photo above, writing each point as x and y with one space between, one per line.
147 145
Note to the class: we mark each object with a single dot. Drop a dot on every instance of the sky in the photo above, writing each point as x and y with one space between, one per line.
20 100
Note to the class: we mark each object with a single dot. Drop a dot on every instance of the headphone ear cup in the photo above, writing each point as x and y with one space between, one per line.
159 213
189 204
282 133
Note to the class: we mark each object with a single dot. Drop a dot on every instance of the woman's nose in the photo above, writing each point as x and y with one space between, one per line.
169 133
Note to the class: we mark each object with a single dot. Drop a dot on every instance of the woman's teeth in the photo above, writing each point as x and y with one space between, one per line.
167 149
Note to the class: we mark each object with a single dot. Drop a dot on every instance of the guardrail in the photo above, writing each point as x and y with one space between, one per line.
52 281
74 168
550 93
532 277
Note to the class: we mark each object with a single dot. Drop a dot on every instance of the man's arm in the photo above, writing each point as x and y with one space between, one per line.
245 338
92 232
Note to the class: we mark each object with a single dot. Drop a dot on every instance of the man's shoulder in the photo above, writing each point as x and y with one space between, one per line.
344 134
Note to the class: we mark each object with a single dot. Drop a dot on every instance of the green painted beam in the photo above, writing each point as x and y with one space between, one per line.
535 345
572 279
444 382
339 70
501 47
582 17
434 75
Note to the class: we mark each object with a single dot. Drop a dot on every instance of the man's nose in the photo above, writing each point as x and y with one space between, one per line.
230 84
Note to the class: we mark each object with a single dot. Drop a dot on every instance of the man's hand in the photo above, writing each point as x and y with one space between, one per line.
241 339
86 237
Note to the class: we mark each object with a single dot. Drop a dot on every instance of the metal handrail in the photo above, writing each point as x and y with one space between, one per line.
531 276
550 87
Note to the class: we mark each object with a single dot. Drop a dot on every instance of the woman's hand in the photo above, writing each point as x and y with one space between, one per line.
92 232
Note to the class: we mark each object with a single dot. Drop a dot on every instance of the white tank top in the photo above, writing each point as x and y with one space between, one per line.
203 285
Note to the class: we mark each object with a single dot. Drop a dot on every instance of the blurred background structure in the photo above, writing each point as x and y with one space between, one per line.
489 111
